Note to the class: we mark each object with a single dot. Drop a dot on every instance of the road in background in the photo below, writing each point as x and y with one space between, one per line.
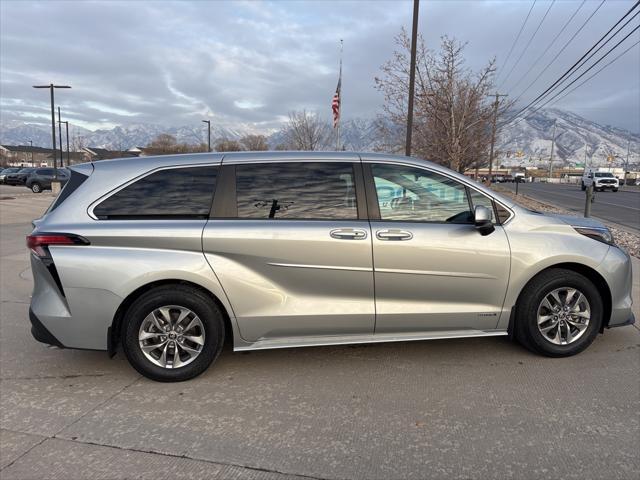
621 207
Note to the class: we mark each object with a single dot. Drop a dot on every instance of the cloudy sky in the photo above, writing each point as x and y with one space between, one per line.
250 62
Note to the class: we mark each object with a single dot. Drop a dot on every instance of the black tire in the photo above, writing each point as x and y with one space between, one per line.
615 189
185 296
36 187
527 331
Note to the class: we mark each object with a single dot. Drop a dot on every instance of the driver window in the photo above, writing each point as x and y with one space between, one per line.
414 195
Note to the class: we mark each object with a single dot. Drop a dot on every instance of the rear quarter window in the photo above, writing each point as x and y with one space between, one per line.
71 186
174 193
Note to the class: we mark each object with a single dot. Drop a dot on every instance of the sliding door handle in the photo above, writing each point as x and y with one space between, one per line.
393 234
348 234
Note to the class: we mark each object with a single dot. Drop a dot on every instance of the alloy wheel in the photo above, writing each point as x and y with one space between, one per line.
171 336
563 315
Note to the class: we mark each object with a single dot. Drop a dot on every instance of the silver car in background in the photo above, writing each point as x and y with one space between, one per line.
168 257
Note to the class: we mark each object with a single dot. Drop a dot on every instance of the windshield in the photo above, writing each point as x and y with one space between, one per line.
604 174
26 170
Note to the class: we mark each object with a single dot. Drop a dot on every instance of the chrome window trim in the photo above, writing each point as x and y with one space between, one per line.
444 173
112 192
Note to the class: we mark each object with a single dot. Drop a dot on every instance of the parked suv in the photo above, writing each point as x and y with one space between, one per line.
600 181
166 257
40 179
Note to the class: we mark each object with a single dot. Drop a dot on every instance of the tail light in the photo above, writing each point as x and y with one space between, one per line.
40 242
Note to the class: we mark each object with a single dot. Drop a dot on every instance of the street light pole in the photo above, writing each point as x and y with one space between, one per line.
31 143
553 143
208 122
412 77
51 87
66 125
60 137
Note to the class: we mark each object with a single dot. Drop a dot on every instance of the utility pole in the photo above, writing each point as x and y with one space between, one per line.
208 122
553 143
31 143
412 77
493 129
51 87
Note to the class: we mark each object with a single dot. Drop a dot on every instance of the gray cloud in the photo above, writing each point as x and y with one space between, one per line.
251 62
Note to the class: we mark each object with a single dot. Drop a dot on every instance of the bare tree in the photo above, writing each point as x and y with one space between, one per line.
226 145
452 111
254 142
166 144
305 131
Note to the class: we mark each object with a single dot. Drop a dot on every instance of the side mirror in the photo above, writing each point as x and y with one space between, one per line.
482 220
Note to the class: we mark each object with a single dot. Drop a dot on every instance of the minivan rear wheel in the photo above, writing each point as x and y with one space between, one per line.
172 333
559 313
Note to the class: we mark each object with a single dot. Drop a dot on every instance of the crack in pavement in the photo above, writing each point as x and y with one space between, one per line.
152 452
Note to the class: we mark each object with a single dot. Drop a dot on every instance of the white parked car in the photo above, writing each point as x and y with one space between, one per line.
600 180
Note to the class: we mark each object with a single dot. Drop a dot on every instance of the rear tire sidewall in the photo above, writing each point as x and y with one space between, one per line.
36 188
533 295
190 298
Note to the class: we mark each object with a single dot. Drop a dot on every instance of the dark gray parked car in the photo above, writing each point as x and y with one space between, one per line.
19 177
40 179
7 171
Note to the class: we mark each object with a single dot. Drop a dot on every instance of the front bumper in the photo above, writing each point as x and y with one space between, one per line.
630 321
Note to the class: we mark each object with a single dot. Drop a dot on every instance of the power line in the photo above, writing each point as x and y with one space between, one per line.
560 52
571 69
596 73
564 27
554 99
518 36
528 43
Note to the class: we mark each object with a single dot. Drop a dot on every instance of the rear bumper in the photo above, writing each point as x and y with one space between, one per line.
40 332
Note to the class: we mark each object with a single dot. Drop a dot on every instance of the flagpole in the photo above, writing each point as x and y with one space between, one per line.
340 114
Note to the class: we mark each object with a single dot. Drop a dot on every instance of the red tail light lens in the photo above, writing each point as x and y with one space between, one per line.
38 243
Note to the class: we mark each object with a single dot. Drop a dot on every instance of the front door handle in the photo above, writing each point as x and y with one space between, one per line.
348 234
393 234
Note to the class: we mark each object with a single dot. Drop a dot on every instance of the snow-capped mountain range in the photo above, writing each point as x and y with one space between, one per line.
530 137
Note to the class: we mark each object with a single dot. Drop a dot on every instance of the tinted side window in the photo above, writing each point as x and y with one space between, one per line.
316 191
46 171
173 193
415 195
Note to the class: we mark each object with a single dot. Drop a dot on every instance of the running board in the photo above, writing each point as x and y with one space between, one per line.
318 341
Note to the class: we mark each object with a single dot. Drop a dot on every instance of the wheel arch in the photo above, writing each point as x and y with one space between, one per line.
115 330
591 274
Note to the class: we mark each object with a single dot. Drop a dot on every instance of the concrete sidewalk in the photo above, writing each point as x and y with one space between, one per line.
477 408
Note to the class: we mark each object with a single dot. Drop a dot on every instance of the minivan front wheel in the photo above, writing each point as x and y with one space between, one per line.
172 333
36 187
559 313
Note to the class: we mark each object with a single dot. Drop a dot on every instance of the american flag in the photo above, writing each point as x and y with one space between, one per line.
335 103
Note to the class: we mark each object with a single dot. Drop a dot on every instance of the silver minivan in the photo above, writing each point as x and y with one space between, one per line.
167 257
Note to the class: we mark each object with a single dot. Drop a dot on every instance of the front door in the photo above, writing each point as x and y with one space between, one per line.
433 270
291 246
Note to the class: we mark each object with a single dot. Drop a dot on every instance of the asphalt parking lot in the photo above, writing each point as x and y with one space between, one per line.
477 408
